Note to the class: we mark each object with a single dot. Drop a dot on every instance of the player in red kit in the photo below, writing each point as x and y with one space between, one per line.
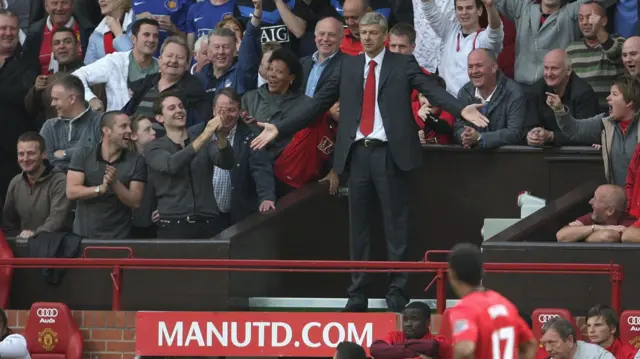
484 324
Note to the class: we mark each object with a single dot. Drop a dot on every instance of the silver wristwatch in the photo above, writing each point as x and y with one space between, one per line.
97 189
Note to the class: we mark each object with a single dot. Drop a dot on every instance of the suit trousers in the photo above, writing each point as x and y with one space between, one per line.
372 172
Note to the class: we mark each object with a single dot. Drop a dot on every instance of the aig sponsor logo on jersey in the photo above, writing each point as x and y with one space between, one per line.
278 33
543 318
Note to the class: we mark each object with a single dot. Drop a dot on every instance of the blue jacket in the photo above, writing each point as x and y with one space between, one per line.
242 76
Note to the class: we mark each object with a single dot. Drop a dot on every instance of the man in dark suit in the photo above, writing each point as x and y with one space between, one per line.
317 68
376 143
250 186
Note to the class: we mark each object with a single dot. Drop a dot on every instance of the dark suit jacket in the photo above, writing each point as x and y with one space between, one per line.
307 65
579 98
252 177
399 75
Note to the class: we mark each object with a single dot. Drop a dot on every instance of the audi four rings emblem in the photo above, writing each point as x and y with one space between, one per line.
47 312
542 318
633 320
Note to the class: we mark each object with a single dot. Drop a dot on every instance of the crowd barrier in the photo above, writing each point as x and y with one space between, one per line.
117 265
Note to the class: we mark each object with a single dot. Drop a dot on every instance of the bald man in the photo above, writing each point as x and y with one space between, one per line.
353 10
576 94
597 57
317 68
505 104
607 221
631 55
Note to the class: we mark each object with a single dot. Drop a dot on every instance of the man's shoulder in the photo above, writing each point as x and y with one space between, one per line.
15 180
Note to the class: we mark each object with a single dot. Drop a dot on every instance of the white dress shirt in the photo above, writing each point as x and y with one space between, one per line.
378 132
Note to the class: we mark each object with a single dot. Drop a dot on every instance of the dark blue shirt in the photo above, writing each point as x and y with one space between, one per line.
204 16
176 9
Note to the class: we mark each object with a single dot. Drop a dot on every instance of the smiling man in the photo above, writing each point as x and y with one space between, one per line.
631 55
107 181
36 200
75 126
415 339
317 68
118 69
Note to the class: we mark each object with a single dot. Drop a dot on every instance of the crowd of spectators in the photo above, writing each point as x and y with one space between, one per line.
137 118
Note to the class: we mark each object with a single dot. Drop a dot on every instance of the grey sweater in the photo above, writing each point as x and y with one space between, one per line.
70 135
617 147
182 177
586 350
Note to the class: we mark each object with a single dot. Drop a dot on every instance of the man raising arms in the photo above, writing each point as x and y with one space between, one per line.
484 324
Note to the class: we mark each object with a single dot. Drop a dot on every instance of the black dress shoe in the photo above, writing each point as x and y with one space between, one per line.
356 305
396 302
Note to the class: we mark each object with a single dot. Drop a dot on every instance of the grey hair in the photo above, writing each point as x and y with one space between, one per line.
490 54
223 32
204 39
375 18
564 328
339 33
178 41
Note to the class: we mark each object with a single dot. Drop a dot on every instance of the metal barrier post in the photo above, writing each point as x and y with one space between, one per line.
616 276
441 292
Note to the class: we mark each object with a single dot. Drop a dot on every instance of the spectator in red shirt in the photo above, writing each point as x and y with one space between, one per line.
353 10
603 328
607 221
632 184
415 339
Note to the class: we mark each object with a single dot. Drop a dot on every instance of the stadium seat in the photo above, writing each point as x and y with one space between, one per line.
630 327
6 272
541 315
52 333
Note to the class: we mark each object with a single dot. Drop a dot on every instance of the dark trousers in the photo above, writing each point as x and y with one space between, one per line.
222 222
373 173
183 229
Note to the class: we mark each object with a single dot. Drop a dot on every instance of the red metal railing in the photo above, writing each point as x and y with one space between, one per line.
240 265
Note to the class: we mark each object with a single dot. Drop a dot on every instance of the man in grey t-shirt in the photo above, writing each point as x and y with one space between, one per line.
107 180
559 340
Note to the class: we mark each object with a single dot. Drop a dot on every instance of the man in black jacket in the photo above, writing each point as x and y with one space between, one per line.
317 68
249 186
181 169
576 94
16 78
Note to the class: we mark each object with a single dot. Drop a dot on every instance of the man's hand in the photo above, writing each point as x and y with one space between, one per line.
59 154
469 136
424 111
109 176
257 5
96 104
539 136
267 206
471 114
334 181
144 15
268 134
155 216
41 82
487 3
26 234
554 102
213 126
165 23
618 229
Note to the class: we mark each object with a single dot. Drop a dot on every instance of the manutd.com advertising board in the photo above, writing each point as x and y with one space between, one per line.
256 333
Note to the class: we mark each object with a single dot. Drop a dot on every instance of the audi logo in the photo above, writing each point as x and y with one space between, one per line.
543 318
47 312
633 320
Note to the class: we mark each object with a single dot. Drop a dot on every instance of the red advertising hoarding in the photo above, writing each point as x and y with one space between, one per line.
249 334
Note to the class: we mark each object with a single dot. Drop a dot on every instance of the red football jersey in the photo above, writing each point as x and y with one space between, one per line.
491 321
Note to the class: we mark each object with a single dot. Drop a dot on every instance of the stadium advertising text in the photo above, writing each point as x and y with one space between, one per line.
256 333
